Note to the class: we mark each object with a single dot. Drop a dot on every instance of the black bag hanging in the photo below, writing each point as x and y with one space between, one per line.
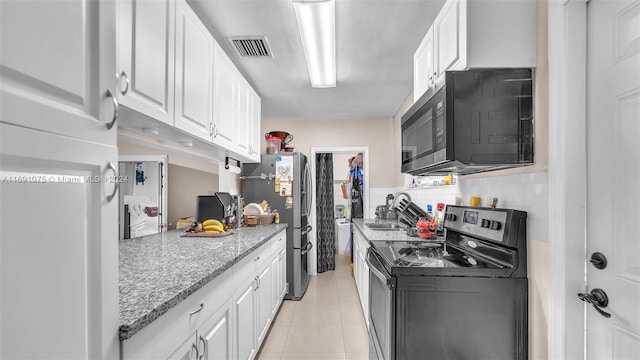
356 199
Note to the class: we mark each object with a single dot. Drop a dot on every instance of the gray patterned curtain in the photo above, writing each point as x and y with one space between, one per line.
325 232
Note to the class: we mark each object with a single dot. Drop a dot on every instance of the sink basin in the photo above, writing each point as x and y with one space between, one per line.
385 226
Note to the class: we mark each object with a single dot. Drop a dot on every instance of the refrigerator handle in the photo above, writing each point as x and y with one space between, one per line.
307 248
308 190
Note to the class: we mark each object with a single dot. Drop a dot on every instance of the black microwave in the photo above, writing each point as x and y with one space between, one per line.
476 121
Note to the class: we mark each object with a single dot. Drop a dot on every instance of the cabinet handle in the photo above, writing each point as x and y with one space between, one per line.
204 348
197 352
198 310
115 110
127 82
256 280
112 167
215 130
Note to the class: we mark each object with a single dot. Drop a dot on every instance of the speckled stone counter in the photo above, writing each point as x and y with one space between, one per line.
158 271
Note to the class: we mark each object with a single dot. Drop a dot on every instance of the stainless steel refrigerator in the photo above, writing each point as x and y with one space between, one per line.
284 181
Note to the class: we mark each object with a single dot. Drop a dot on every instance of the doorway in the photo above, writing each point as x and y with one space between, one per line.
339 152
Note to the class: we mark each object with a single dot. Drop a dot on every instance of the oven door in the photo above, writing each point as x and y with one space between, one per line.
381 309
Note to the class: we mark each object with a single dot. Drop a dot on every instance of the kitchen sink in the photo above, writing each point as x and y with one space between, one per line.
385 226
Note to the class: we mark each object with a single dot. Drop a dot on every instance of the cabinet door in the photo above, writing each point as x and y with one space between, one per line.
446 29
215 335
423 71
264 302
224 92
242 108
278 280
194 73
365 291
283 274
187 351
245 320
146 55
59 248
255 122
57 67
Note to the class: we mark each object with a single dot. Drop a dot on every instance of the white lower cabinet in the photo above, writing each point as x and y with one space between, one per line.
361 272
227 319
245 324
212 340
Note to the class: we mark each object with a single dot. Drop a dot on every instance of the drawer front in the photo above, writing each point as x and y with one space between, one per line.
246 267
278 242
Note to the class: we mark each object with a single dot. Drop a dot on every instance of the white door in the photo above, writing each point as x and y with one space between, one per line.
194 73
146 56
224 123
423 74
446 32
241 105
613 175
214 336
264 302
245 321
58 248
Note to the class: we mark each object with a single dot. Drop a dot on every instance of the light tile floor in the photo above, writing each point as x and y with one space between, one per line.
326 324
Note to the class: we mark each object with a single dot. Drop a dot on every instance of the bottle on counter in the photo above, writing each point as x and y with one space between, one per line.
430 212
440 217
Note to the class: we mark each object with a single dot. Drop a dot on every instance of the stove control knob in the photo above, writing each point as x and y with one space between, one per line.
496 225
485 223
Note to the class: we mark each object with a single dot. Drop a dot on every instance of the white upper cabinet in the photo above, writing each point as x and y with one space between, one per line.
476 34
171 69
423 74
254 126
146 56
446 32
242 106
194 74
224 92
52 72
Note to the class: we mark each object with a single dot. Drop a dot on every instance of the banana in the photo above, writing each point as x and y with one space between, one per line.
215 228
211 222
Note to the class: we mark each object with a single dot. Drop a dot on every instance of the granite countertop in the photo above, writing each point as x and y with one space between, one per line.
372 235
159 271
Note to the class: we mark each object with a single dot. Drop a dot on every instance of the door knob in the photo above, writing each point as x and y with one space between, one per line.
598 298
598 260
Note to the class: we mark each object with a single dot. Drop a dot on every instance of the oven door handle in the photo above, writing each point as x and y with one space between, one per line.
377 269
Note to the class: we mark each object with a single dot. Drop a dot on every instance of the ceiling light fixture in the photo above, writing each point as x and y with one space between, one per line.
317 27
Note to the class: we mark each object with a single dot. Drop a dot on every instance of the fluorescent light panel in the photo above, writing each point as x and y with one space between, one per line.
317 27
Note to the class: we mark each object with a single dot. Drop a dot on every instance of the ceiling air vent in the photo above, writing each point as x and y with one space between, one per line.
251 46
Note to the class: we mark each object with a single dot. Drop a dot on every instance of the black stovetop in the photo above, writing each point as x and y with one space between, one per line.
458 256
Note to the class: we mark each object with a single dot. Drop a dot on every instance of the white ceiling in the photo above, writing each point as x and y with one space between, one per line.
376 40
